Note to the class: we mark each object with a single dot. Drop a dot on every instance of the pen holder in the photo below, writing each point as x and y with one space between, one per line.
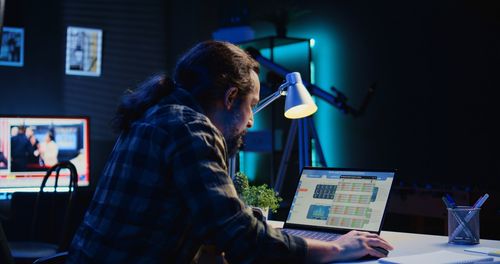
463 225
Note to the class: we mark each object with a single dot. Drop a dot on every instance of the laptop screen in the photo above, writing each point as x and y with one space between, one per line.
341 198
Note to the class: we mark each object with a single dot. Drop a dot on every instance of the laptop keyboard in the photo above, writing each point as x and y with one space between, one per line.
324 236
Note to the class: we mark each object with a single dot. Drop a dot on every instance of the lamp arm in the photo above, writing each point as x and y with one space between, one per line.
271 98
337 100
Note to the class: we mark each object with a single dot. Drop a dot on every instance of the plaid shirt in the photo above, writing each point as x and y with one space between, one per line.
165 192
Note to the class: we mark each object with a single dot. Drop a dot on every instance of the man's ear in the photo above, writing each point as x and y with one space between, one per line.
230 97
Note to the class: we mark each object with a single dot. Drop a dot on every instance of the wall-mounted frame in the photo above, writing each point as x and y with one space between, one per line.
83 51
12 49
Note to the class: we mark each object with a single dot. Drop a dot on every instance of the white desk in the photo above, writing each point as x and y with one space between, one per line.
409 244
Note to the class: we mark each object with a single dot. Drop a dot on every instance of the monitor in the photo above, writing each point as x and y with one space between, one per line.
29 145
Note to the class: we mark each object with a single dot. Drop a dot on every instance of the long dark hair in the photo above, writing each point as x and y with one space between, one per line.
206 71
135 103
212 67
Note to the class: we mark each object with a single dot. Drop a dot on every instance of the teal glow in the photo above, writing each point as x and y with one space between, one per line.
327 71
314 156
241 156
256 165
249 160
312 42
266 53
292 54
313 73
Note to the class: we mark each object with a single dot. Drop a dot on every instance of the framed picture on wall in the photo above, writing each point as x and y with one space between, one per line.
12 48
83 51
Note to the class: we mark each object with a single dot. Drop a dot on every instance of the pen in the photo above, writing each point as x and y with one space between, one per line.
446 202
451 201
481 201
469 215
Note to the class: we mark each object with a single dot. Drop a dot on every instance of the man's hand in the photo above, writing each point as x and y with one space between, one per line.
352 245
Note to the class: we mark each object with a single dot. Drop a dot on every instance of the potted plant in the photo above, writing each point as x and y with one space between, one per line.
262 196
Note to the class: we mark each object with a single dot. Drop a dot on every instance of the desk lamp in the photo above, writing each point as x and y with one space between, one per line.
298 103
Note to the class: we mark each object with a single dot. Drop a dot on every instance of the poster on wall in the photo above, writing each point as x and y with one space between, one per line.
12 49
83 51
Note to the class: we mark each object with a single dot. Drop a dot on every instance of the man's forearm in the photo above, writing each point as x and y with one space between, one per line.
321 251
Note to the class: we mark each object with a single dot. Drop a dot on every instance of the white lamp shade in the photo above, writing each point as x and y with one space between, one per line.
298 103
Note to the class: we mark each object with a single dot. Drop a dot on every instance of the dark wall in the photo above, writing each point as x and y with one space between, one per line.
188 22
37 86
134 47
434 115
436 66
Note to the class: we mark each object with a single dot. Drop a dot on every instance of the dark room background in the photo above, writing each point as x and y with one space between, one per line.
435 63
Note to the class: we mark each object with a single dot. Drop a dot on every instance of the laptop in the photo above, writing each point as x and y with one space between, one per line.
330 202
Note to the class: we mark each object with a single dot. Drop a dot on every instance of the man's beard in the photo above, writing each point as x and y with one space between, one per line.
234 143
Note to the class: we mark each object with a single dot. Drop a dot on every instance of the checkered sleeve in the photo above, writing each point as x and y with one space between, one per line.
200 173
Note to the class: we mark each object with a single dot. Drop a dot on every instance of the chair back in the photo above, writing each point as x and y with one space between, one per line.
65 237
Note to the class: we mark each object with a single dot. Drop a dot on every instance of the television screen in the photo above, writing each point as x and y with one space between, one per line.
31 145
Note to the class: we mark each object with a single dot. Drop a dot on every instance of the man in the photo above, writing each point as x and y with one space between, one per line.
20 149
165 191
49 150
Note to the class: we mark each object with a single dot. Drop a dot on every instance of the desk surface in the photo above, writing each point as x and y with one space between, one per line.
409 244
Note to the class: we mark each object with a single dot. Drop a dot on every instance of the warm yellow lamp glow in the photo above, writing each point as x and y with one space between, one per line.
298 103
